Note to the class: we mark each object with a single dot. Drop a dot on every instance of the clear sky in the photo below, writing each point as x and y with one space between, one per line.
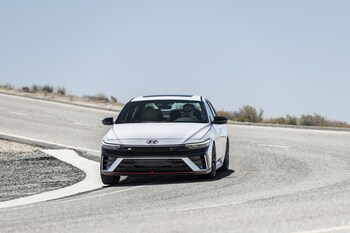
286 57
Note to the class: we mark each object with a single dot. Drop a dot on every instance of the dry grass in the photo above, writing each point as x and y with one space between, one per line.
97 98
307 120
7 86
227 114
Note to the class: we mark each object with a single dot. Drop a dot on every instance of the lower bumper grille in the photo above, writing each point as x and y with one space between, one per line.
155 165
138 163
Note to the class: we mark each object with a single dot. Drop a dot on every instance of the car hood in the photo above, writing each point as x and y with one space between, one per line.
164 133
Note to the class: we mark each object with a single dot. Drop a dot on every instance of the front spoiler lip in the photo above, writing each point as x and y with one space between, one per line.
154 173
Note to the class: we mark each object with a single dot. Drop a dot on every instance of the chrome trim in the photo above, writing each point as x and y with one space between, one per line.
191 164
115 165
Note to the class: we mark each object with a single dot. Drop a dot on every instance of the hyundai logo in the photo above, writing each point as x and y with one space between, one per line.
152 141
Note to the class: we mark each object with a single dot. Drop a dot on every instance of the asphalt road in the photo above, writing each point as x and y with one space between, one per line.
285 180
50 121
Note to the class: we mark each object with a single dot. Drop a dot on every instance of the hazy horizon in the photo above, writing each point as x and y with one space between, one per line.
284 57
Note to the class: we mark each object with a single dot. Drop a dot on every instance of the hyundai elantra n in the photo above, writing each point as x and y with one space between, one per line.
165 135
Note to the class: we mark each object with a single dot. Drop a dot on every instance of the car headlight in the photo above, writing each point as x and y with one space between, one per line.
198 145
110 146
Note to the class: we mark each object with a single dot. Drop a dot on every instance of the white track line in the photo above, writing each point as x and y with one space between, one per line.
91 182
208 207
114 192
61 201
82 124
19 114
98 195
331 229
274 146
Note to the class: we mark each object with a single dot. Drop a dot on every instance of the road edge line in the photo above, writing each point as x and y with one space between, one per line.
330 229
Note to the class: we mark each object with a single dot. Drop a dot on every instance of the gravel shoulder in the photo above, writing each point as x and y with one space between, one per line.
25 171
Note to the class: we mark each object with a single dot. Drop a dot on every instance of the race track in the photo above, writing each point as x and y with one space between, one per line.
285 180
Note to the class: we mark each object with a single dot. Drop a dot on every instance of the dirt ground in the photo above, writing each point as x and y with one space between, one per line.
25 170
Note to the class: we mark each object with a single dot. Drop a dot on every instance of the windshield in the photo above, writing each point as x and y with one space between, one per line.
163 111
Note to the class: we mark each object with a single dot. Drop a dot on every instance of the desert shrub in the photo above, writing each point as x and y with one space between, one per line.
228 115
47 88
25 89
307 120
7 86
114 100
101 98
288 120
270 120
35 88
291 120
248 113
313 120
61 91
338 124
281 120
318 120
277 120
98 98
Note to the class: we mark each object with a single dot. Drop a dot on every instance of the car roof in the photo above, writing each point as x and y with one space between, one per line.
168 97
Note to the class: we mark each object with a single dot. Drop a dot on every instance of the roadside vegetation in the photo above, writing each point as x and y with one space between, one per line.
59 91
248 113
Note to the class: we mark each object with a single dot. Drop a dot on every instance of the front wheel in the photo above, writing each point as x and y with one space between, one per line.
212 173
110 180
226 165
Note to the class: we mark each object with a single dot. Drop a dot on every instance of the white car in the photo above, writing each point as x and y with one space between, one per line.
165 134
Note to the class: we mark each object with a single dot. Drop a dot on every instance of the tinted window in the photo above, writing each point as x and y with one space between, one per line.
163 111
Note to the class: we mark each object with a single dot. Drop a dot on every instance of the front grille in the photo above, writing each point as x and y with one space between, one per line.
133 159
155 165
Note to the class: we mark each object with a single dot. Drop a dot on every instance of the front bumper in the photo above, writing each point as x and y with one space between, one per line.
154 160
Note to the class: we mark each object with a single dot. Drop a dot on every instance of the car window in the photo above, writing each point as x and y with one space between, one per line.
163 111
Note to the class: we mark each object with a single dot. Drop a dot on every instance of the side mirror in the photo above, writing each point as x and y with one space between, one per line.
220 120
108 121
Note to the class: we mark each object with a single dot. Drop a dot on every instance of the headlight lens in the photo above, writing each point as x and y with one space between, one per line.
110 146
198 145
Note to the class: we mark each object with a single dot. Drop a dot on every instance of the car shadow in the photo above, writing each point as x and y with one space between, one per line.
163 180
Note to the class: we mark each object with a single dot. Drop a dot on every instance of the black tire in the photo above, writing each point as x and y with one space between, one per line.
212 173
226 165
110 180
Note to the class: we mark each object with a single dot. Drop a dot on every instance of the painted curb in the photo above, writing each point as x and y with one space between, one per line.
91 182
45 144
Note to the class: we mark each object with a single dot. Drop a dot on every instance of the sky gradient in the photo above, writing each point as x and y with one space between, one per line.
286 57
